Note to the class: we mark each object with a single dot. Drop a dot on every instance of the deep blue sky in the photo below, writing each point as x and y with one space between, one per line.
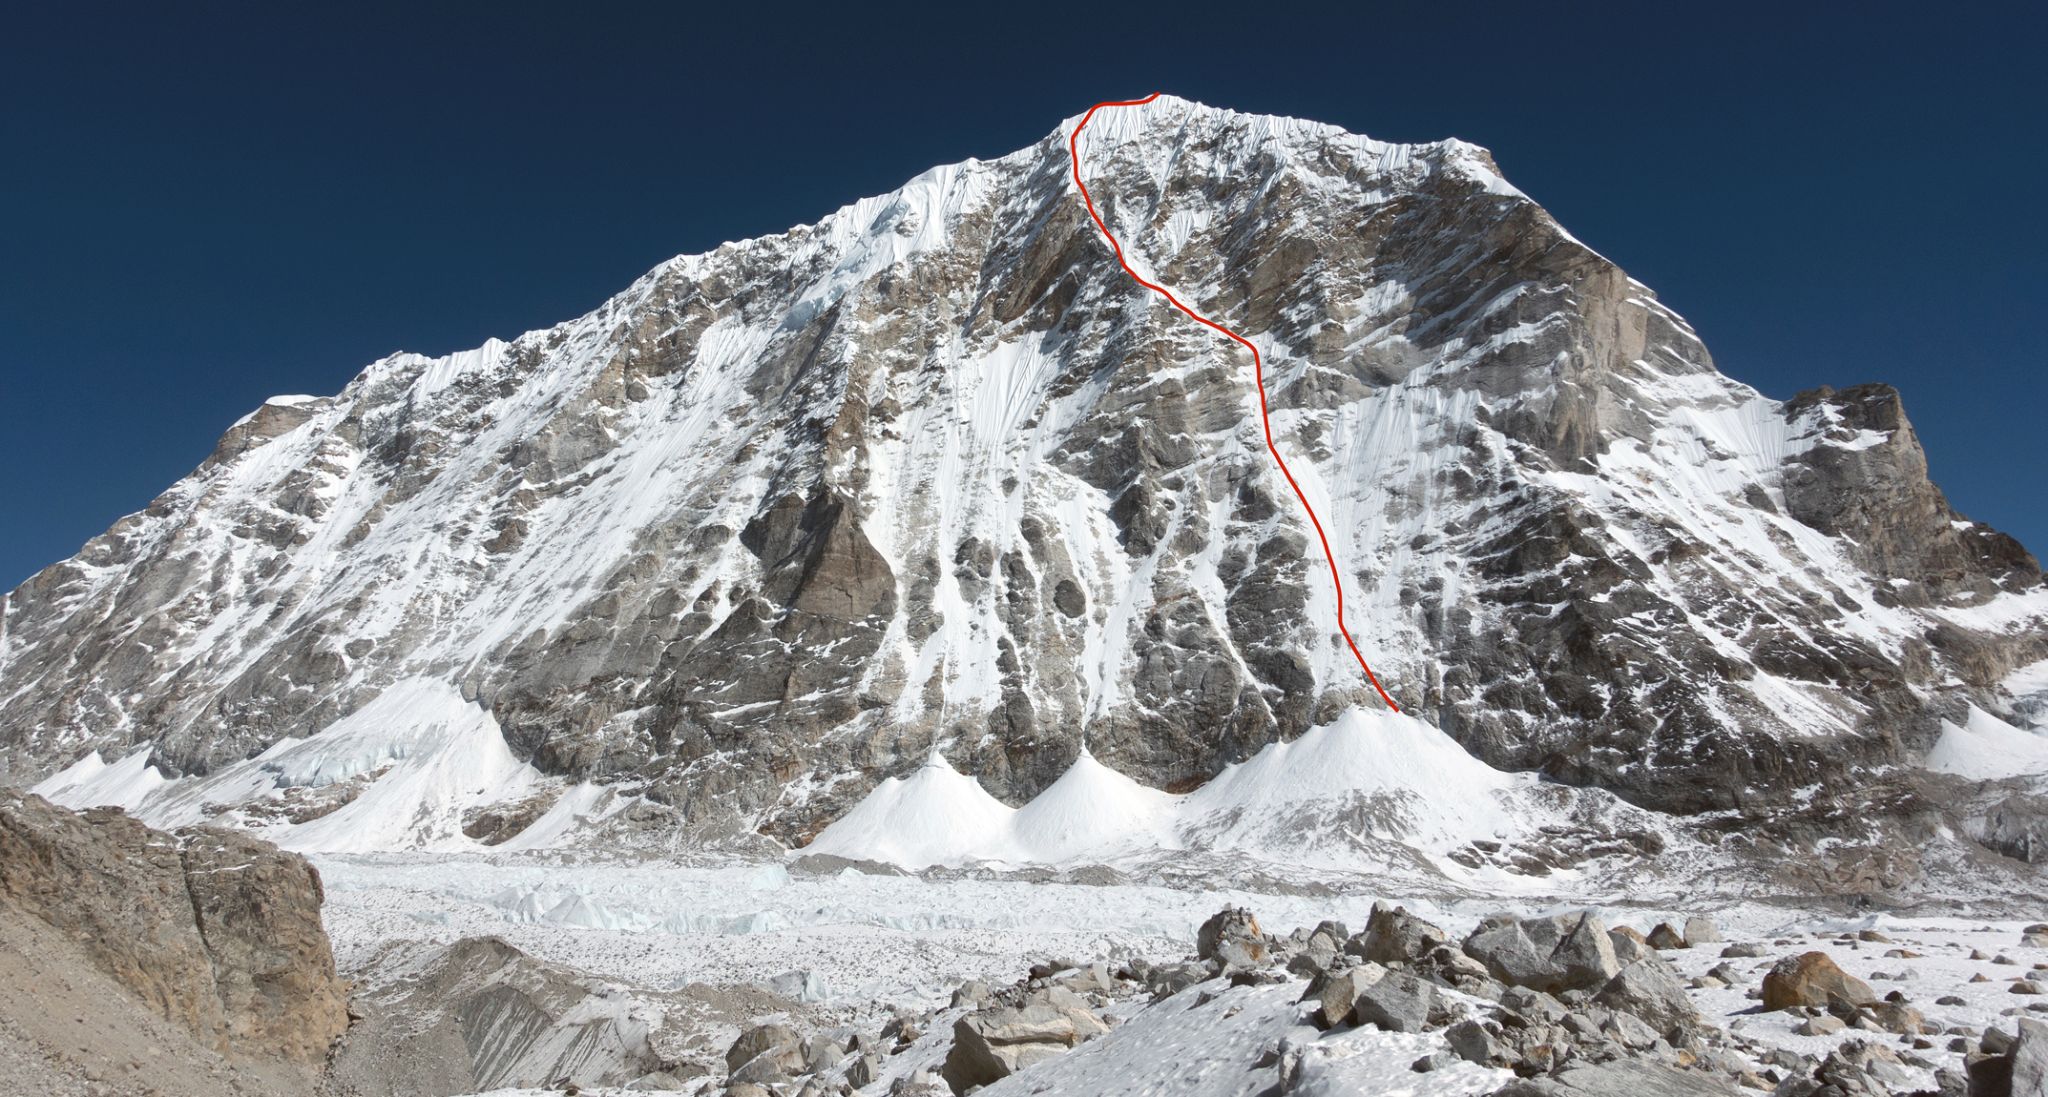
203 207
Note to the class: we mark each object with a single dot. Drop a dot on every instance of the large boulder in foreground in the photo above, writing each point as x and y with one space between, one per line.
1813 979
1558 953
214 930
995 1043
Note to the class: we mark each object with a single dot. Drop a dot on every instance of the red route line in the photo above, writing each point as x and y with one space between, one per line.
1258 371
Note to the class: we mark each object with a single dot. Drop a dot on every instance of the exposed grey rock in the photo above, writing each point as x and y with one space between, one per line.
1701 930
1311 963
1399 1002
1165 980
993 1044
1561 952
2030 1059
1088 979
1328 936
862 1071
1854 1068
1533 1004
1339 991
1394 936
1650 990
1629 944
1621 1078
1449 965
1823 1025
1476 1041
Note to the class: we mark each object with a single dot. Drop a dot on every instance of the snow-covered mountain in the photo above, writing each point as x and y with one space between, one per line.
781 520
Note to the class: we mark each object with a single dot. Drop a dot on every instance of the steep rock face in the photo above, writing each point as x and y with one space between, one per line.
212 929
771 523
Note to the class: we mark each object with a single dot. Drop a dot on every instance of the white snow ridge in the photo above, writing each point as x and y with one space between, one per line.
1370 781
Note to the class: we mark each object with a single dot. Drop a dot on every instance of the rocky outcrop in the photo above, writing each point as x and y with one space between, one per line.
212 929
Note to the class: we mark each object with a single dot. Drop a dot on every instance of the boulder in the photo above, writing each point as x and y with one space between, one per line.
1476 1041
1701 930
764 1053
1400 1002
821 1054
1328 936
1447 965
1340 989
1090 979
1855 1068
1394 936
993 1044
862 1071
1812 979
1562 952
1533 1005
1666 936
2030 1060
1650 990
1232 938
1899 1019
1167 980
1629 944
1311 963
1631 1032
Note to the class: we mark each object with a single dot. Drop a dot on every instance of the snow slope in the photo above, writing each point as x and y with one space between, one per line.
405 770
1372 785
1984 748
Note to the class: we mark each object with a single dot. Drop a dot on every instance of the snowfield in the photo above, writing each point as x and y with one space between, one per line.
866 942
